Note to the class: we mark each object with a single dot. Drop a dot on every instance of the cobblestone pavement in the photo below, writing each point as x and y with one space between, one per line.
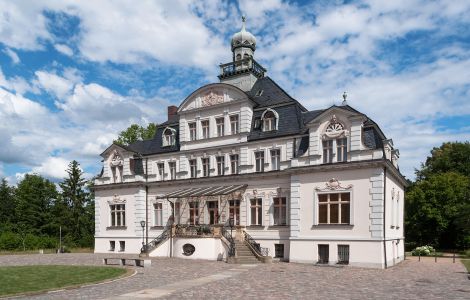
178 278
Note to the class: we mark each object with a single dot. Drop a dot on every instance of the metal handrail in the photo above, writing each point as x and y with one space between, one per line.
229 238
261 251
156 241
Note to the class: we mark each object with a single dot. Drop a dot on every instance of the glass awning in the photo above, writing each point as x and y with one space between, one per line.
204 191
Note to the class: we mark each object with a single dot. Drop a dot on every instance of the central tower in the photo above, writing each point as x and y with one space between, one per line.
243 71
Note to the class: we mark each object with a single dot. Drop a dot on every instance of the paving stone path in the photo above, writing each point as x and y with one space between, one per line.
197 279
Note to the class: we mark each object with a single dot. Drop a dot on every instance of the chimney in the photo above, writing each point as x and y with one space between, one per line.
172 111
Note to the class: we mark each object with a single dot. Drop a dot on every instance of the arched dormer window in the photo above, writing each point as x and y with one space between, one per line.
270 120
169 137
239 56
335 142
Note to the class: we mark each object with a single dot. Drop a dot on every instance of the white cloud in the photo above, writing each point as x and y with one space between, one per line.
52 167
13 56
64 49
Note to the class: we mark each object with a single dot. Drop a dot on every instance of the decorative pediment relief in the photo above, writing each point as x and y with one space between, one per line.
334 129
116 160
211 95
117 200
212 98
333 185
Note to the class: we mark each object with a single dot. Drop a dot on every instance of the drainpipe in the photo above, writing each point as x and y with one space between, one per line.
146 205
385 198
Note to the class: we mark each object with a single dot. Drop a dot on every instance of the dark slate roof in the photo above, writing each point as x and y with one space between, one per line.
372 138
154 146
272 94
310 115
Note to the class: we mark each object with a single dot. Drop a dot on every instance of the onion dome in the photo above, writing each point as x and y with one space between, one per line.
243 38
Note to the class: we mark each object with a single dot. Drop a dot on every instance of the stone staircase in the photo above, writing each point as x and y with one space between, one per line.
244 254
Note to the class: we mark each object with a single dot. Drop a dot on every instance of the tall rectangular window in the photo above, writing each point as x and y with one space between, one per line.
275 159
205 167
193 168
341 149
256 210
177 212
259 158
327 151
323 254
279 250
118 214
343 254
234 164
280 211
205 129
334 208
193 213
172 166
220 126
234 211
192 131
158 214
161 171
234 124
220 165
122 246
112 245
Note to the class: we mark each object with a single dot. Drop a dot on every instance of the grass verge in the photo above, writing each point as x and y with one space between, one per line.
29 279
466 263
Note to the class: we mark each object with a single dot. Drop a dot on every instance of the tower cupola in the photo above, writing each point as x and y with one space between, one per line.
243 43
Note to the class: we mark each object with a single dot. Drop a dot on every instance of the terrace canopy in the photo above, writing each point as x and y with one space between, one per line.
204 191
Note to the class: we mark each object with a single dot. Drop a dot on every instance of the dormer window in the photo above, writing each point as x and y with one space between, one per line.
116 165
335 142
169 137
270 120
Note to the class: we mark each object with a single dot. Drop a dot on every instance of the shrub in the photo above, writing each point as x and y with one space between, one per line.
9 241
423 251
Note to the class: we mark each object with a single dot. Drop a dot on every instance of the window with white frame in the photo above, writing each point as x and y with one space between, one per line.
205 129
205 167
122 246
256 211
118 215
334 208
172 167
280 211
234 164
275 159
328 151
161 171
259 159
192 131
341 149
234 211
234 124
158 214
112 245
193 168
219 122
169 137
270 119
220 165
194 213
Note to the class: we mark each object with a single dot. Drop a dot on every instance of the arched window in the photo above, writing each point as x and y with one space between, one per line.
239 56
246 55
169 137
335 142
270 120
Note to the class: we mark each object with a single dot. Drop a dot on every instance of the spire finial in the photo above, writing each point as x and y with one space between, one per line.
344 99
243 22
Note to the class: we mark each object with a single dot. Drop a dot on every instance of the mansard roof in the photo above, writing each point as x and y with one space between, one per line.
154 145
266 93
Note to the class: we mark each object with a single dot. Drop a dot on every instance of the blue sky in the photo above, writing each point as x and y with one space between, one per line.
74 74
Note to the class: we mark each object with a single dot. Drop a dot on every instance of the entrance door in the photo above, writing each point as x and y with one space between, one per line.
213 210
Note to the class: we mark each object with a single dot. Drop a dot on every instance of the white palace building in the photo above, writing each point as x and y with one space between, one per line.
242 172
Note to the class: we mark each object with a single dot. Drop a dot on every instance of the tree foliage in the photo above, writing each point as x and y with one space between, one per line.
438 204
136 133
32 213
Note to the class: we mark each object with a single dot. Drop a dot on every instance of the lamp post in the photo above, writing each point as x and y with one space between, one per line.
142 223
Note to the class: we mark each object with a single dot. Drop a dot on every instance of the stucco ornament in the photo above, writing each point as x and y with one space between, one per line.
333 184
116 161
212 99
117 200
335 129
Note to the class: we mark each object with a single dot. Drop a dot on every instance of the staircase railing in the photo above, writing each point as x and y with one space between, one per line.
261 251
157 241
229 238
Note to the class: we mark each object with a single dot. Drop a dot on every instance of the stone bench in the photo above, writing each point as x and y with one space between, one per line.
138 262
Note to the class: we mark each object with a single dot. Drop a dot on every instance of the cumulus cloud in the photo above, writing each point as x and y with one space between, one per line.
13 56
53 167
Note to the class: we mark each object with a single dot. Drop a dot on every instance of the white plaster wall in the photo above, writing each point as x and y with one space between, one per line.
133 244
206 248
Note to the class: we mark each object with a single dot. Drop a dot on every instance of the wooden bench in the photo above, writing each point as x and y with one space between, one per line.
138 262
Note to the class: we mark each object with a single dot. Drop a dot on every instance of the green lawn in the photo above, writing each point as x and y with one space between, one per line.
466 263
26 279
